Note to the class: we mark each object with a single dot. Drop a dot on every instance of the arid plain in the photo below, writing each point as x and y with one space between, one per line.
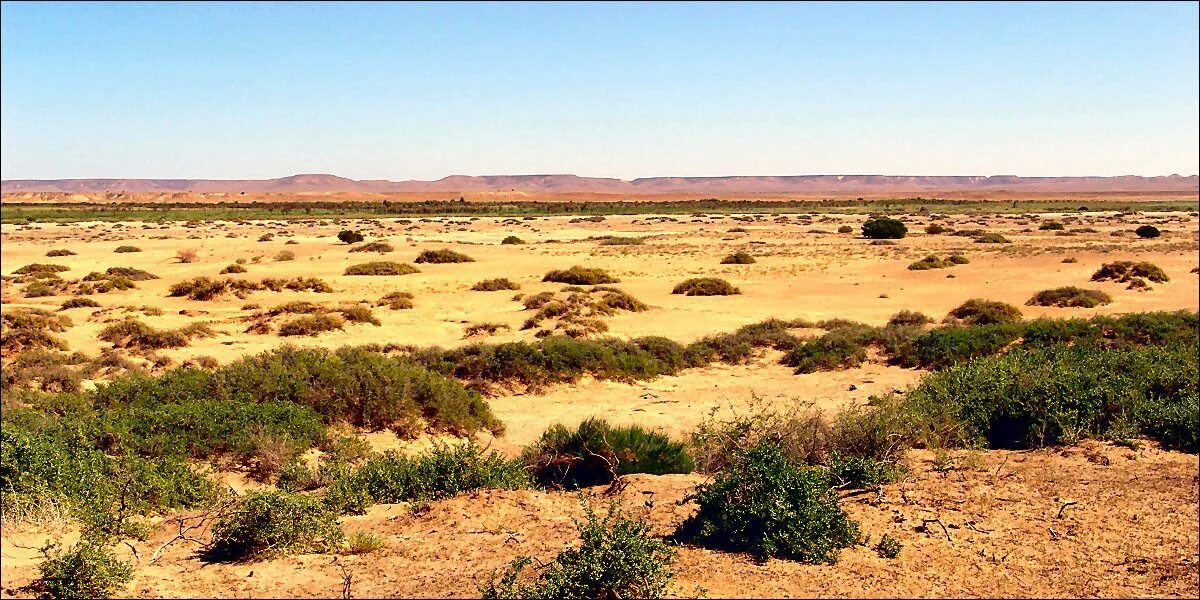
991 523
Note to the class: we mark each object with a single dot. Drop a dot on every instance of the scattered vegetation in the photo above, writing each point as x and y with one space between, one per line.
706 286
512 240
312 325
231 269
60 252
622 241
991 238
396 300
70 303
87 569
136 335
933 262
284 255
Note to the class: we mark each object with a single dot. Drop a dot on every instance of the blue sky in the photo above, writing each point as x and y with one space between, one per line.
420 91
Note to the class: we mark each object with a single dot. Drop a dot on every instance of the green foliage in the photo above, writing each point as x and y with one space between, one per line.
1060 394
927 263
512 240
883 228
706 286
580 276
596 452
1124 271
444 255
936 229
1070 296
616 558
312 325
136 335
909 317
844 347
349 237
396 300
442 472
945 346
31 328
860 471
129 273
888 547
764 503
363 542
269 523
494 285
738 258
41 269
380 247
985 312
991 238
1147 232
85 570
200 288
381 268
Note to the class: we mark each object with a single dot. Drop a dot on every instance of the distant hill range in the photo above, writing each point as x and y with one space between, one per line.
560 184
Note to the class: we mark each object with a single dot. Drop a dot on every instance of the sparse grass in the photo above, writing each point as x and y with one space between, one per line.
580 276
31 328
738 258
1070 296
381 268
706 286
494 285
266 524
126 249
444 255
363 542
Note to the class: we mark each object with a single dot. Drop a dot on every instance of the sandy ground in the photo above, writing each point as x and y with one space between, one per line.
1131 532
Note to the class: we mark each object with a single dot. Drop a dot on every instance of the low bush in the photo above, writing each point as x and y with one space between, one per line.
883 228
266 237
284 255
622 241
312 325
41 269
200 288
909 317
1147 232
706 286
70 303
380 247
957 259
60 252
31 328
126 249
1050 226
595 453
85 570
985 312
738 258
381 268
768 505
616 558
888 547
396 300
187 255
936 229
349 237
838 349
927 263
991 238
136 335
359 314
442 472
442 256
495 285
265 524
512 240
945 346
845 229
580 276
234 268
363 542
1124 271
1070 296
129 273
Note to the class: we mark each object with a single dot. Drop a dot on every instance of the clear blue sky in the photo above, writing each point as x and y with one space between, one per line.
420 91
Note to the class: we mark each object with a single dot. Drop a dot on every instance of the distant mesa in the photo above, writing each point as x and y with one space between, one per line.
795 184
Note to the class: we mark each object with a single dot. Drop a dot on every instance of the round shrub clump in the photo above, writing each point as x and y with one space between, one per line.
845 229
86 570
1147 232
884 228
268 523
738 258
382 267
765 504
909 317
495 285
1123 271
512 240
126 249
595 453
706 286
580 276
986 312
1070 296
442 256
991 238
350 237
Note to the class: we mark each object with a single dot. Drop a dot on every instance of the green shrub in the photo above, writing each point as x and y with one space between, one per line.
39 289
397 300
359 314
985 312
134 334
1147 232
512 240
1059 394
380 247
957 259
494 285
200 288
706 286
596 452
60 252
126 249
580 276
442 472
1070 296
1123 271
944 346
129 273
1050 226
312 325
381 268
616 558
927 263
935 229
442 256
85 570
363 542
766 504
349 237
738 258
41 269
991 238
234 268
883 228
860 471
269 523
70 303
840 348
888 547
909 317
845 229
31 328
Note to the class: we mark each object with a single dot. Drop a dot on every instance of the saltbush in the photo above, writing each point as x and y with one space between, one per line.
442 256
706 286
1070 296
494 285
595 452
381 268
268 523
580 276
